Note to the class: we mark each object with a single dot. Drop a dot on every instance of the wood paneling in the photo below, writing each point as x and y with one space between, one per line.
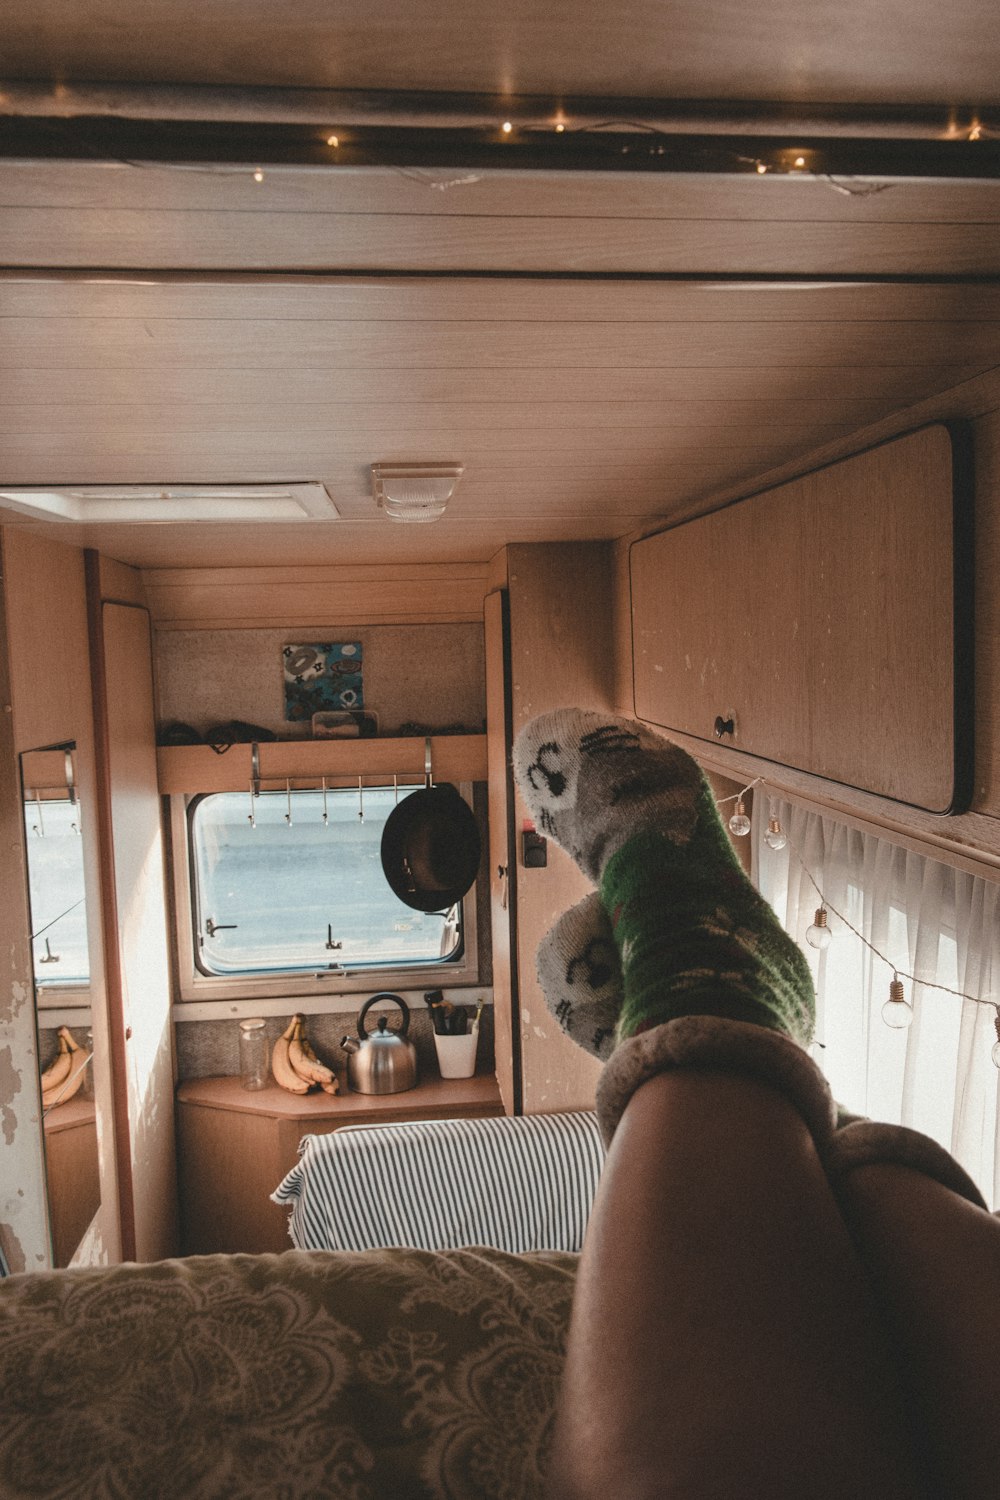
561 655
121 583
135 917
579 410
203 240
518 194
847 388
197 768
842 52
47 623
228 598
356 344
331 297
72 1169
235 1147
798 611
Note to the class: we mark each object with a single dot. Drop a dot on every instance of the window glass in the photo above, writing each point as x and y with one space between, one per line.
291 891
56 892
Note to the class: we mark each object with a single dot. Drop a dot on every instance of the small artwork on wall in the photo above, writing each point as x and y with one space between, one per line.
320 678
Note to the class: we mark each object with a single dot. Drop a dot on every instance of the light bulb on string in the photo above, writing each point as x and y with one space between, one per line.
739 823
775 837
819 934
995 1054
897 1012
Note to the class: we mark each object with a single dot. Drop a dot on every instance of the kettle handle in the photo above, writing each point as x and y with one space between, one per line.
383 995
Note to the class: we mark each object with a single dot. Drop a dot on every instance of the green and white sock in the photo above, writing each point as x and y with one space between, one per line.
694 936
581 976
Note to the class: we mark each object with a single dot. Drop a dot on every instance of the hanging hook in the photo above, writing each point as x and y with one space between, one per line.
361 798
288 801
326 815
252 820
428 774
38 827
395 790
74 800
70 777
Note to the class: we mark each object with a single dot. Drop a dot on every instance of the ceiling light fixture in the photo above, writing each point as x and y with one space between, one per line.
131 503
414 491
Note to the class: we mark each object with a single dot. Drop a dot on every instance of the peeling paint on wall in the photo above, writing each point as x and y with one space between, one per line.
20 994
10 1087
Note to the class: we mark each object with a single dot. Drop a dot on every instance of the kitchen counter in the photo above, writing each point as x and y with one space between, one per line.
235 1145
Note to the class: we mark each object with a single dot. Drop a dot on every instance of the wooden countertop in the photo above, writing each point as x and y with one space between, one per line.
434 1098
74 1112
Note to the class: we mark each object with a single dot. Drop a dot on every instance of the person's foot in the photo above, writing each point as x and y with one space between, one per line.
694 937
580 974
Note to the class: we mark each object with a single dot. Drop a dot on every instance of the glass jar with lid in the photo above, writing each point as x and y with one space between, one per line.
254 1053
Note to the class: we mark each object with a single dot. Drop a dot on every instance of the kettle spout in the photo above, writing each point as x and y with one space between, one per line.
349 1044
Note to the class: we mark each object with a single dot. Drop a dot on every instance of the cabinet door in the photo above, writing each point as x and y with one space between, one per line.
825 618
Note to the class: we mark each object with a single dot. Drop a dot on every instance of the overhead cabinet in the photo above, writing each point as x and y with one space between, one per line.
824 624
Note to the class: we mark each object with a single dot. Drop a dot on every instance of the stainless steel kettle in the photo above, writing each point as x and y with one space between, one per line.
382 1061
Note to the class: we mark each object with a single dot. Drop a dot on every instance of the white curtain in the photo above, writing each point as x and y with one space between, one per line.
929 920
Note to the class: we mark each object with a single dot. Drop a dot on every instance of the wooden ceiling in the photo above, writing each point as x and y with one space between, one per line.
840 51
603 352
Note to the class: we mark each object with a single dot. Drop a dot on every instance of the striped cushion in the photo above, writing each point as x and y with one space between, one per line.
520 1184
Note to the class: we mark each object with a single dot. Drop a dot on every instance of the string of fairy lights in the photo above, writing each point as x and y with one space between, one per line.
897 1012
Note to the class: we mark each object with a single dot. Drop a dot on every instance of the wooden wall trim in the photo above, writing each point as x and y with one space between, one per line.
197 768
120 582
114 978
294 597
497 575
970 841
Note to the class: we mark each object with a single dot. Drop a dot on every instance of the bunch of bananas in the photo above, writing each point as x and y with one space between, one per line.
295 1065
64 1075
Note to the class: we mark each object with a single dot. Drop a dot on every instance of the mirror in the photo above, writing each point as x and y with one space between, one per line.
61 968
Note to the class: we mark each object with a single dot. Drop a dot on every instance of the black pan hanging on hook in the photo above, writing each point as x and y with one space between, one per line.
431 846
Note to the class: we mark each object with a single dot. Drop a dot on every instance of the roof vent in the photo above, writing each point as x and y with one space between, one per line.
133 503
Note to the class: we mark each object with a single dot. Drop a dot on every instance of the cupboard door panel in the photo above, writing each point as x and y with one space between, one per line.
821 617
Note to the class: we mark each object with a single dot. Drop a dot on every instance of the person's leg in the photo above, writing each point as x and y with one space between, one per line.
721 1322
933 1257
723 1344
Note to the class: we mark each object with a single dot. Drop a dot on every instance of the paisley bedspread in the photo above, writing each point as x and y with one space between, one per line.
378 1375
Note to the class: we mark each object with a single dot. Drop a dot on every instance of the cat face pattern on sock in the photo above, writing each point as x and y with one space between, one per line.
693 935
580 973
591 782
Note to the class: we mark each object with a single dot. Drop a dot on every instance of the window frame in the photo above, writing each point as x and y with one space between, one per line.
315 990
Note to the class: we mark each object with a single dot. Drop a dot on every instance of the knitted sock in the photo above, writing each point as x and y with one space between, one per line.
693 935
581 978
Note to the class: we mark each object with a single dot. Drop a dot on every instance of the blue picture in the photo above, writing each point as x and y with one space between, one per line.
322 677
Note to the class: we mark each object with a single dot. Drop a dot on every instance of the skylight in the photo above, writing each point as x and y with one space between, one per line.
160 503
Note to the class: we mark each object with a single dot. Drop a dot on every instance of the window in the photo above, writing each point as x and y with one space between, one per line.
56 891
296 898
929 919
